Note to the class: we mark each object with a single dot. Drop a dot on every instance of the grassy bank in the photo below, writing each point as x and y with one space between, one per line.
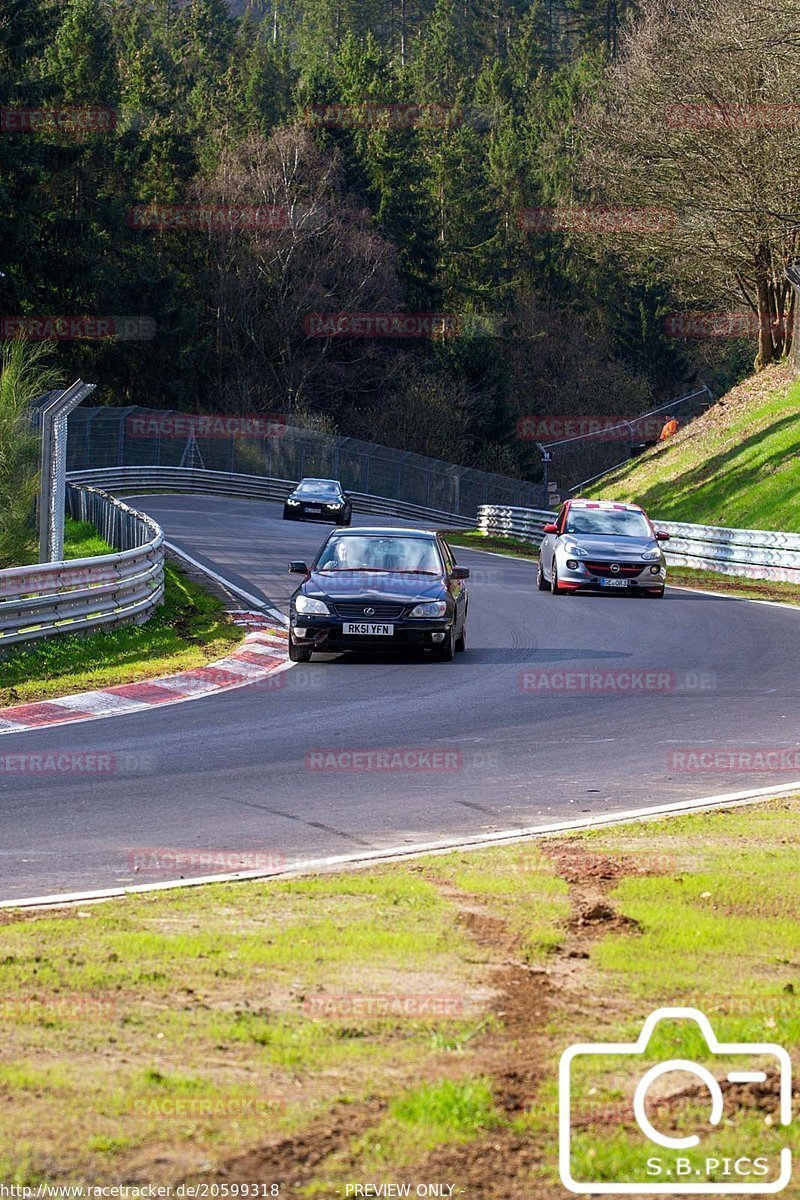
399 1024
738 465
190 629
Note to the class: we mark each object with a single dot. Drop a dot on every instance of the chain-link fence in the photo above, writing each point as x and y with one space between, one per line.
574 462
263 446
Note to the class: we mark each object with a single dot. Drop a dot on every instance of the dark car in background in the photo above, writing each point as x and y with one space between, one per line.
602 545
380 589
318 500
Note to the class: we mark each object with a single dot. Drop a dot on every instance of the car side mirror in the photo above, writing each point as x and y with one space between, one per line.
662 535
459 573
551 528
298 568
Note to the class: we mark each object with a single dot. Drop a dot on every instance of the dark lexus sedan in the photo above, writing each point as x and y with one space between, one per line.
380 589
318 500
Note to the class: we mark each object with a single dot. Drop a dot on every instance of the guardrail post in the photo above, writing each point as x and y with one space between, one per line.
53 473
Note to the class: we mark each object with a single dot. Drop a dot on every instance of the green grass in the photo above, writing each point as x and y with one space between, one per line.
522 888
436 1114
211 995
125 1024
744 589
738 466
717 931
189 630
475 540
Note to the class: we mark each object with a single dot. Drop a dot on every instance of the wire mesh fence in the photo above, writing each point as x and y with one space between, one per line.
113 437
574 462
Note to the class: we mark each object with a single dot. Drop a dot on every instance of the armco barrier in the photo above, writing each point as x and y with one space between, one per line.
85 593
747 553
46 599
251 487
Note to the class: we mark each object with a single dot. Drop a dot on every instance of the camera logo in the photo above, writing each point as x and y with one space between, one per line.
708 1160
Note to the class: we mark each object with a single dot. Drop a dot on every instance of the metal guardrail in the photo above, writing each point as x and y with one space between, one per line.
252 487
523 523
746 553
86 593
111 589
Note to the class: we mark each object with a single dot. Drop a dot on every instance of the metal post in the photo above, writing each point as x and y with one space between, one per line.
52 484
545 460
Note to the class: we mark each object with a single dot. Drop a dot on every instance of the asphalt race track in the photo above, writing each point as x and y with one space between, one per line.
230 772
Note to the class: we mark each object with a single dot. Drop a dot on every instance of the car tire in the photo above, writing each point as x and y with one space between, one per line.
461 640
554 588
541 580
447 651
298 654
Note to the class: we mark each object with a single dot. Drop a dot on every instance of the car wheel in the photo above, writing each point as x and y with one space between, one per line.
554 588
541 581
298 654
448 649
461 640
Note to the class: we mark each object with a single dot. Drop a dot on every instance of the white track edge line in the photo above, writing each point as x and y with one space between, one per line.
400 853
264 605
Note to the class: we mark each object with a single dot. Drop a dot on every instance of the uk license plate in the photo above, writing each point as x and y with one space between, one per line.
623 583
367 628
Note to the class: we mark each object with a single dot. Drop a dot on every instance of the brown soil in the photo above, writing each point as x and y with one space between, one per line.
515 1052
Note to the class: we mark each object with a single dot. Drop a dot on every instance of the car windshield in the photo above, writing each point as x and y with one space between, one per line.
613 522
388 553
319 487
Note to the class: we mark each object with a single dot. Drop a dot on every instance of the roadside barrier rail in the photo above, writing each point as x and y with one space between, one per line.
44 599
111 589
746 553
252 487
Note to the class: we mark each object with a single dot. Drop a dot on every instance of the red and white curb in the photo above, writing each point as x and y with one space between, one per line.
263 653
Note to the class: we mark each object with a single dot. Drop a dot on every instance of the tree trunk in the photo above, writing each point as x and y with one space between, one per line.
769 333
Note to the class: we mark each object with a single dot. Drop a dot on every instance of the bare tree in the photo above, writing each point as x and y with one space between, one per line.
698 122
295 244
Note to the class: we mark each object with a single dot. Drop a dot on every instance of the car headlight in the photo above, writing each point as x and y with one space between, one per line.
338 504
433 608
650 555
294 503
307 604
575 551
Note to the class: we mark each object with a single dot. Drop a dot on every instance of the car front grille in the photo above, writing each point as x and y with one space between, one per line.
369 610
625 570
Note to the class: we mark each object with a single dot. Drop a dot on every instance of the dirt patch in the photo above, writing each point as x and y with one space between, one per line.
294 1161
515 1052
506 1167
598 913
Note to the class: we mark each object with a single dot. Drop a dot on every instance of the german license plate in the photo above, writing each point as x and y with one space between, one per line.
313 510
613 583
367 628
